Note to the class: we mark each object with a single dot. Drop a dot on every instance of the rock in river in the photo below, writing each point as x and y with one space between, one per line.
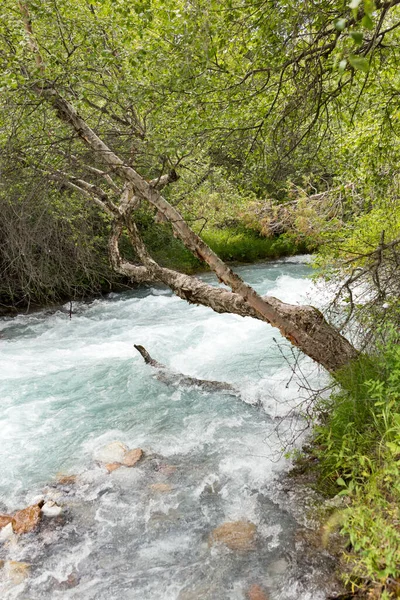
5 520
51 509
116 455
238 535
113 466
27 519
256 593
132 457
23 520
7 532
111 453
15 571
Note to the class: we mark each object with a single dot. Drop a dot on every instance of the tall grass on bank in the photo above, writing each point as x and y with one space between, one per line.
232 244
358 447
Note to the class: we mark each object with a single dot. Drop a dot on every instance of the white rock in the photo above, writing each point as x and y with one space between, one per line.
51 509
111 453
6 533
35 499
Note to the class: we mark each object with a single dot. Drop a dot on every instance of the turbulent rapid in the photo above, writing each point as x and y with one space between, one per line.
69 386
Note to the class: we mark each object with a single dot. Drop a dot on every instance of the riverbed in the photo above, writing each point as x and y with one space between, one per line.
71 384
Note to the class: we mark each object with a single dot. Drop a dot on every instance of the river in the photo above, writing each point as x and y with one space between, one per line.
72 385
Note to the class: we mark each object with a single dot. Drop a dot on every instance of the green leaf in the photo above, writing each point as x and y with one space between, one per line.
369 7
367 22
342 65
354 4
340 24
394 448
340 481
357 37
359 63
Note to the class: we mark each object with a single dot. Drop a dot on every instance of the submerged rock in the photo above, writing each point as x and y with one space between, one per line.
16 572
66 479
161 488
168 469
238 535
71 581
256 593
278 567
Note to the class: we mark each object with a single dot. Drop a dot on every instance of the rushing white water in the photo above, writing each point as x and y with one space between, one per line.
69 386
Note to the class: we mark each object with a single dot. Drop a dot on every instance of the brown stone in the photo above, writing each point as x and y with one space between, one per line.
167 469
256 593
71 581
66 479
27 519
132 457
5 520
161 488
238 535
17 571
112 467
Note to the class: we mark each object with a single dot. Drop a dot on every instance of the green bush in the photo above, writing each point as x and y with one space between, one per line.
358 447
232 244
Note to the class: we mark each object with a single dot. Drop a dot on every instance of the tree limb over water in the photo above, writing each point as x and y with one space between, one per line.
167 376
304 326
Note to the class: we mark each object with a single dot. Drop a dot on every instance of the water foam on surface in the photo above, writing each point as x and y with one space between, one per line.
69 386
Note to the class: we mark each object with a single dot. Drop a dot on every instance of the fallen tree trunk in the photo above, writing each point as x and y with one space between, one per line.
304 326
170 377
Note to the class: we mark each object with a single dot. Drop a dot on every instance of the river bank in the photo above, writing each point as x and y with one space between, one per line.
354 458
236 245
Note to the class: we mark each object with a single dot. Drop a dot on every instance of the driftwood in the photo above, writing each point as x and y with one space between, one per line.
170 377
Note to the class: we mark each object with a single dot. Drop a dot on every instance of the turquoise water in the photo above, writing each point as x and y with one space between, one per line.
71 385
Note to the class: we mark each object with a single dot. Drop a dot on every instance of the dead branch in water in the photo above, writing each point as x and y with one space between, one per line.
168 376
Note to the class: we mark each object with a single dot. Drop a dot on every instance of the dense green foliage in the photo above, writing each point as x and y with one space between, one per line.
358 451
250 103
281 121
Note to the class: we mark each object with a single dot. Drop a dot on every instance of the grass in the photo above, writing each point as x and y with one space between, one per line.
358 451
233 244
245 245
